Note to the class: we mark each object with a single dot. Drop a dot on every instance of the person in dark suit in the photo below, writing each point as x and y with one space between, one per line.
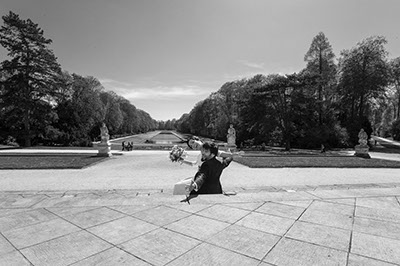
207 179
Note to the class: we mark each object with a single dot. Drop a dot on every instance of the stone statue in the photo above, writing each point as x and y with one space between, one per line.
231 137
362 149
362 137
104 147
104 133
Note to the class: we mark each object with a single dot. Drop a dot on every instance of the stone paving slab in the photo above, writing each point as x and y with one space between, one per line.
354 193
5 246
377 247
281 210
121 230
377 227
356 260
154 228
26 218
160 246
18 201
194 207
197 227
207 254
386 203
111 257
161 215
13 258
93 217
296 203
246 206
40 232
249 242
332 207
229 214
320 235
378 214
348 201
328 218
65 250
266 223
7 212
294 252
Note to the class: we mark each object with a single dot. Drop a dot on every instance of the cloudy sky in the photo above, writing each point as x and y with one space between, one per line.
167 55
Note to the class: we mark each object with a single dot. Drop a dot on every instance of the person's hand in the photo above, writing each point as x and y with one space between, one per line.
240 153
190 187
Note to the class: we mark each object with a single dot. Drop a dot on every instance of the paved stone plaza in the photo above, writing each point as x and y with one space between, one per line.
278 216
328 226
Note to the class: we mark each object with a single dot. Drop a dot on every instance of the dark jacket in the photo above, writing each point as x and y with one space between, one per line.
208 177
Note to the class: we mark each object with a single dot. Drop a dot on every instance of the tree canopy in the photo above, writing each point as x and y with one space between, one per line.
40 103
29 78
327 102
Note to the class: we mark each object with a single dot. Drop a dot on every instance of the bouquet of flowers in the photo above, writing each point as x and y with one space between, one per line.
177 154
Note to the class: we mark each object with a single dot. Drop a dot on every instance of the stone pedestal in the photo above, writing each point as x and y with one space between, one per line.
231 147
362 151
104 149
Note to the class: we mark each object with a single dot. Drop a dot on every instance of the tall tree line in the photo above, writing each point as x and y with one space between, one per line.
327 102
40 103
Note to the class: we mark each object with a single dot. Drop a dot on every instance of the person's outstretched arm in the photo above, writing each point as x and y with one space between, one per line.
199 178
191 163
227 161
227 154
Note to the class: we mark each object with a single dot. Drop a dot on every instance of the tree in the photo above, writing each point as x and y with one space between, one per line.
80 111
129 112
255 125
320 61
30 83
395 81
286 102
113 116
364 74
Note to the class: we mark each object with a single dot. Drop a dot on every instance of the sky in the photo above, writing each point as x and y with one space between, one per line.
164 56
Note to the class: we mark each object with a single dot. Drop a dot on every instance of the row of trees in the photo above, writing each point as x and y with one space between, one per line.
327 102
40 103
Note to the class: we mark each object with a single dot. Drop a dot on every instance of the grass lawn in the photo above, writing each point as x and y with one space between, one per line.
314 161
48 161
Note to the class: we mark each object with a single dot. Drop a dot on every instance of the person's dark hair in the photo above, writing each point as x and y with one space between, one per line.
212 147
192 138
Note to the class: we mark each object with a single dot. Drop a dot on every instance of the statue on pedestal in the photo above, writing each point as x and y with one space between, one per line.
362 149
104 133
231 137
104 147
362 137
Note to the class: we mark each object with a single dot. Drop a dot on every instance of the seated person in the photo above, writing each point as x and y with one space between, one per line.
123 145
130 146
207 179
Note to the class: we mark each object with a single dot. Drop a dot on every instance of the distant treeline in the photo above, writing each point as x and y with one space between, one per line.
41 104
327 102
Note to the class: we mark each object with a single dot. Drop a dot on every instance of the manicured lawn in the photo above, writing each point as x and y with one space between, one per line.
314 161
48 161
